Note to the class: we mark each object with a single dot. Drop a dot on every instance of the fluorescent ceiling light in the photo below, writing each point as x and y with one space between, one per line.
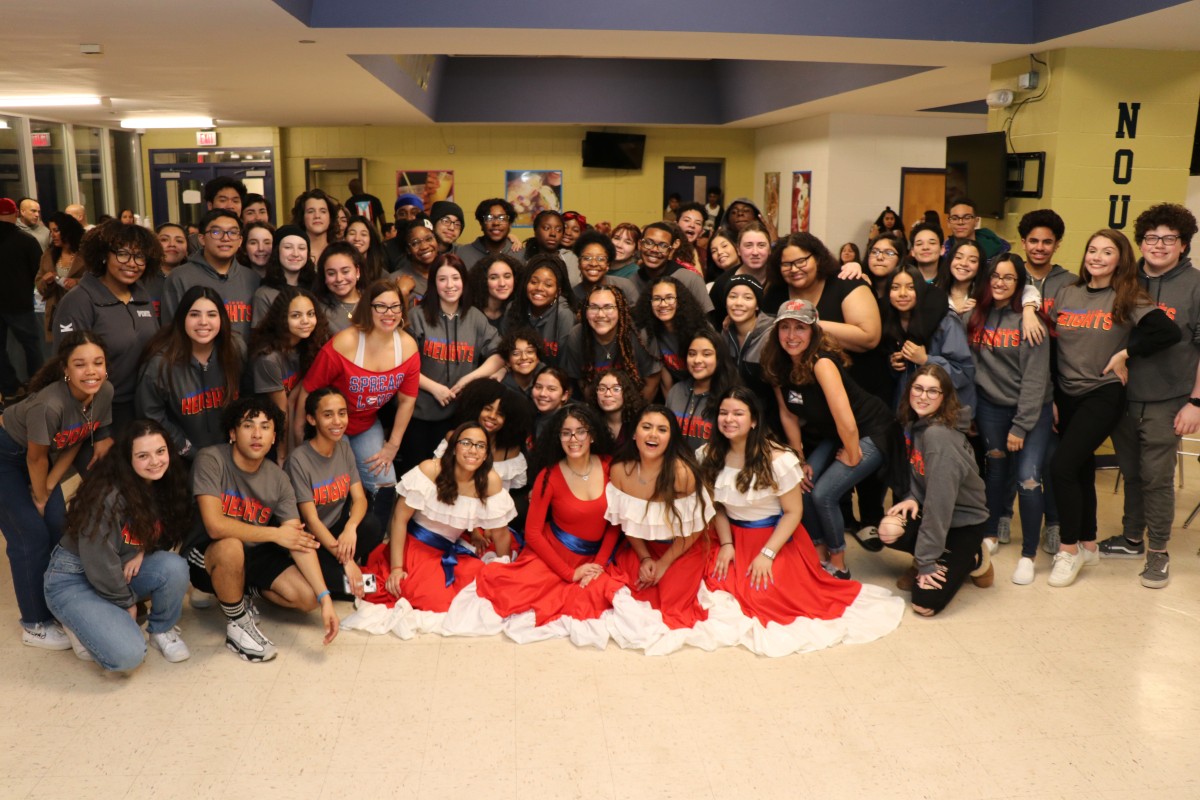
3 125
167 122
48 100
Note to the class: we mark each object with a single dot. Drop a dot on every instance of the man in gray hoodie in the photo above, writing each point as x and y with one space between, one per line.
1163 394
216 266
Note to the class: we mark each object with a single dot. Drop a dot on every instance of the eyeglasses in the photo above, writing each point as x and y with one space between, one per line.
467 444
877 253
650 244
524 352
224 233
380 308
1153 239
794 266
931 392
609 389
961 217
1006 279
605 309
447 222
496 218
593 260
125 256
664 300
579 434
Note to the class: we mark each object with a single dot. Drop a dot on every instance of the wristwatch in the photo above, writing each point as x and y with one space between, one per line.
768 552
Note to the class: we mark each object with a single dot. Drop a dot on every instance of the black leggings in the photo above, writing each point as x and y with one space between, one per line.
960 558
1084 422
370 536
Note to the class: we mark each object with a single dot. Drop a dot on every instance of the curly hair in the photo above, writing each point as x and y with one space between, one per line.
247 408
625 339
779 368
548 449
522 334
113 236
756 472
70 232
1047 218
516 409
154 513
447 486
946 415
632 405
1167 215
272 334
55 367
1129 291
520 310
828 265
477 277
688 319
173 343
330 204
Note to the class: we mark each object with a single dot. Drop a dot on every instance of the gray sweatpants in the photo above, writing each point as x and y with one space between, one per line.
1147 449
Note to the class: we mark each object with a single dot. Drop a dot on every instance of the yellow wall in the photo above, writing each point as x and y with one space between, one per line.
1076 123
482 154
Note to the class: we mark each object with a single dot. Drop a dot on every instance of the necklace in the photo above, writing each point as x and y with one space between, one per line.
586 474
640 479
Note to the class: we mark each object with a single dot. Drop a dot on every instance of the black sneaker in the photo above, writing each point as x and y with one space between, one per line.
1156 575
1120 547
868 538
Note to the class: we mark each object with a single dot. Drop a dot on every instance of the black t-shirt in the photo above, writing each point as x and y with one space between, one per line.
809 404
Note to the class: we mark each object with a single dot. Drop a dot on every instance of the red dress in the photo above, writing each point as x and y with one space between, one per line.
426 587
542 579
676 596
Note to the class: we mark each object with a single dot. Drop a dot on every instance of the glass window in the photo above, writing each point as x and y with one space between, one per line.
50 166
11 184
87 165
127 169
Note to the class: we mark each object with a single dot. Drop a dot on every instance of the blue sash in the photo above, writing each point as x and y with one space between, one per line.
769 522
450 550
578 546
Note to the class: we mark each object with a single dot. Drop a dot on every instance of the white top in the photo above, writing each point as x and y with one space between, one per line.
512 471
648 519
452 521
757 503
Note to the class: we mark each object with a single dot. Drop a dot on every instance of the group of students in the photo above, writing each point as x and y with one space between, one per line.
519 437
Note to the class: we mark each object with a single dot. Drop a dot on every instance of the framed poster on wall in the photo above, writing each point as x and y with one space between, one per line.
801 200
430 185
771 201
532 191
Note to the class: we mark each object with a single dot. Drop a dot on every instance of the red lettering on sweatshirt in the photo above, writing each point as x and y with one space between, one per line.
1086 319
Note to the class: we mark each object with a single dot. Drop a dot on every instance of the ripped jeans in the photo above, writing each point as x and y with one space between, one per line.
1024 468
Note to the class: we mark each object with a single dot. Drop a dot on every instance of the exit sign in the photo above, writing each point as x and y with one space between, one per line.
39 139
206 138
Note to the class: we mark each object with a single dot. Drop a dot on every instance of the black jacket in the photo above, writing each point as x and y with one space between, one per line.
20 254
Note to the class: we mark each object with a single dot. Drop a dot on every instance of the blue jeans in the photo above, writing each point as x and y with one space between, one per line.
29 536
104 628
365 445
1022 469
831 480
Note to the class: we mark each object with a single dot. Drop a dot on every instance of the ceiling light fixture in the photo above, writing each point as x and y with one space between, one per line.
48 100
167 122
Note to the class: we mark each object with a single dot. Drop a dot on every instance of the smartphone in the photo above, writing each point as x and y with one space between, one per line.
368 583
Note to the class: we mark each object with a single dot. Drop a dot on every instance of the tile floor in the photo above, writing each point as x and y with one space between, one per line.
1015 692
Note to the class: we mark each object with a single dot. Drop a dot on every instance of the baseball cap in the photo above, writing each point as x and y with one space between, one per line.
799 310
7 207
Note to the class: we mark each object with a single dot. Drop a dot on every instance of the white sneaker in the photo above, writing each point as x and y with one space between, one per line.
1090 557
81 652
243 637
46 635
170 645
1023 574
1066 568
991 544
201 599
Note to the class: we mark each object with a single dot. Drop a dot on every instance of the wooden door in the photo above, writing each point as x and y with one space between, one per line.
921 190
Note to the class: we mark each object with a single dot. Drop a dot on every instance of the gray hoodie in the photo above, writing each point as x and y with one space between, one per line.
188 401
1170 374
1010 370
236 287
104 549
954 497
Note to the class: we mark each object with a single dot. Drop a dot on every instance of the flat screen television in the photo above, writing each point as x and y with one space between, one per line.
977 167
613 150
